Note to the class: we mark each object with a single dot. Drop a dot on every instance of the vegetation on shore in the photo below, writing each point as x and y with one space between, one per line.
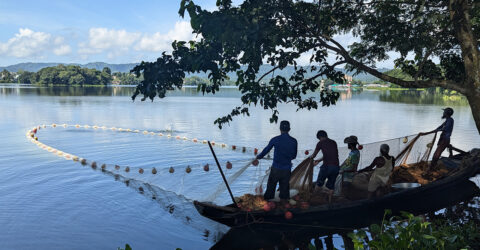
60 75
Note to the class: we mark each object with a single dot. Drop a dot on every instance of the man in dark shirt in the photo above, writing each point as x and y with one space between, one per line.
444 141
330 167
285 151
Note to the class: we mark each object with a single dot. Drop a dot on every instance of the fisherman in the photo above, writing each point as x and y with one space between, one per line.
383 166
444 141
330 167
285 151
349 166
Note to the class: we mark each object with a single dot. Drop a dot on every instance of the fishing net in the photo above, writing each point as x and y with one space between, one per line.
406 150
192 174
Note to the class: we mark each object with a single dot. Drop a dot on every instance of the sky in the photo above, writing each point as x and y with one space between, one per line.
120 31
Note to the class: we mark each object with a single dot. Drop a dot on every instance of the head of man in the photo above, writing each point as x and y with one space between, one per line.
384 149
322 135
284 126
447 112
351 141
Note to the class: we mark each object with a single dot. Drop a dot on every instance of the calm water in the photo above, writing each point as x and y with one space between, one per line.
47 202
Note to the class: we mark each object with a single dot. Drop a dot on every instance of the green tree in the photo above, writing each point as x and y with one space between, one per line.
6 76
280 31
26 77
76 80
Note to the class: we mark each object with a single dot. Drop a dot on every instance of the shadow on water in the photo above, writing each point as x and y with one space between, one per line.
252 238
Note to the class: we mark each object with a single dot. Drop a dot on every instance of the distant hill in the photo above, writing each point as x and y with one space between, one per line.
126 67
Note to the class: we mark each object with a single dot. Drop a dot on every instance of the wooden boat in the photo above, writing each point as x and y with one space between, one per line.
436 195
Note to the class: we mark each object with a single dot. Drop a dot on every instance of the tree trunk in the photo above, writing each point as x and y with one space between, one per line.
474 101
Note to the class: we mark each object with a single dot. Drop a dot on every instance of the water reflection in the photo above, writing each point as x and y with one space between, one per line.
421 97
396 96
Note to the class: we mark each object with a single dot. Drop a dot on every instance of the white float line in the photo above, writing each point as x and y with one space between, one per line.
32 136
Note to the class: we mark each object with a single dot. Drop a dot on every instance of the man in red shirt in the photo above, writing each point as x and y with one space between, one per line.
331 166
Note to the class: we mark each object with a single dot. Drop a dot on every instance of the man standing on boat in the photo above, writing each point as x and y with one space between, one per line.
444 141
285 151
330 168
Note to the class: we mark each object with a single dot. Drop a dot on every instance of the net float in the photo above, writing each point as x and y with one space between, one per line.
244 149
145 132
34 130
185 138
152 133
94 165
229 165
306 152
54 125
77 126
288 215
127 169
140 171
405 140
266 207
83 162
160 134
204 141
171 170
360 147
213 143
224 145
36 138
195 140
104 166
154 171
64 125
136 131
255 151
86 126
188 169
117 167
206 167
234 147
177 137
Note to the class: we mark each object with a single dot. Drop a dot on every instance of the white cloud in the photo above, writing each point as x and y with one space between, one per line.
160 42
62 50
115 43
28 43
100 40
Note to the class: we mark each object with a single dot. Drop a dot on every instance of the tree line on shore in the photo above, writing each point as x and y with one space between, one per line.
60 75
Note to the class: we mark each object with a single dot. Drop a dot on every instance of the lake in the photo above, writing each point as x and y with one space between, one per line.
47 202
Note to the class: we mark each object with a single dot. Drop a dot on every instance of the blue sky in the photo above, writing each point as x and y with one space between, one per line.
88 31
85 31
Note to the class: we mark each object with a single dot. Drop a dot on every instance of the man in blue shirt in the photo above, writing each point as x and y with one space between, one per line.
285 151
444 141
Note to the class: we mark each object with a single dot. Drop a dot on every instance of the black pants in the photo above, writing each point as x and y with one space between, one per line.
282 176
